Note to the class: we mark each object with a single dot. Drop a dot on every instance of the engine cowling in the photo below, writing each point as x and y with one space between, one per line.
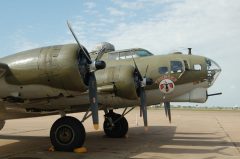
123 79
54 66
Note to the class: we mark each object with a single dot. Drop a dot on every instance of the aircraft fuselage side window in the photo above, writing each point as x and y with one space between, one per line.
127 55
163 70
197 67
176 67
114 56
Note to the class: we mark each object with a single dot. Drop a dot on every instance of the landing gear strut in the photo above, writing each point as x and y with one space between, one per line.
67 134
115 125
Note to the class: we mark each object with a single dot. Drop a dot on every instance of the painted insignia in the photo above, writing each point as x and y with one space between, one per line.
166 86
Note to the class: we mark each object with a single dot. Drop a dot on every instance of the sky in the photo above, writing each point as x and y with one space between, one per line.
210 27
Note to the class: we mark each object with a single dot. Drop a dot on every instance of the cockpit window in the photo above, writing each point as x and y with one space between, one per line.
128 54
114 56
176 67
142 53
197 67
163 70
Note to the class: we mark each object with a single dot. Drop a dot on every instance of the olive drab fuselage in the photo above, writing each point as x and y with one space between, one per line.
49 79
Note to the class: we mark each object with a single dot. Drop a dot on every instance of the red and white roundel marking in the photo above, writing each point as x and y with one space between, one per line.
166 86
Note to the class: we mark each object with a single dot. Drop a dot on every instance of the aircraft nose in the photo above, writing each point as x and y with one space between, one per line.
213 70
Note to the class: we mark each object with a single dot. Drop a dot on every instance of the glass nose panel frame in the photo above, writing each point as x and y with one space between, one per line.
213 71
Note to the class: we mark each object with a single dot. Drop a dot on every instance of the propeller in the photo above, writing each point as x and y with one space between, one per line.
141 83
168 110
89 67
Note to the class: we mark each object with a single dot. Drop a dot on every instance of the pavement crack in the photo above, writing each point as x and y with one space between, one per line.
19 132
227 135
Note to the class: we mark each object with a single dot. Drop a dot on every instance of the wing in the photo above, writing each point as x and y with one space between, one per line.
3 69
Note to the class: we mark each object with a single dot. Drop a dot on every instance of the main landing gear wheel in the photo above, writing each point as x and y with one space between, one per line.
2 123
67 133
115 129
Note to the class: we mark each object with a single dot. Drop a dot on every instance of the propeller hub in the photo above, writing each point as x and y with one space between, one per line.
100 65
97 65
146 82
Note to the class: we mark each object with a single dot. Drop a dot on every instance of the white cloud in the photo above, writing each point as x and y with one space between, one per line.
189 23
129 5
115 11
142 4
233 87
22 43
90 5
90 8
25 44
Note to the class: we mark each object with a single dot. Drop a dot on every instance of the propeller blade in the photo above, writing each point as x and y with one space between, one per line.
100 54
140 112
144 106
80 46
138 72
142 94
146 71
168 110
169 115
93 99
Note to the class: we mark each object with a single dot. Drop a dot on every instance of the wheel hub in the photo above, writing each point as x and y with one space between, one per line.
64 134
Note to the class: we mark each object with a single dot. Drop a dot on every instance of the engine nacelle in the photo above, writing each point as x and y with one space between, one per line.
55 66
124 82
122 77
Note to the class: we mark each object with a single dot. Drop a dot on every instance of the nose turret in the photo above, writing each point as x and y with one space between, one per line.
213 71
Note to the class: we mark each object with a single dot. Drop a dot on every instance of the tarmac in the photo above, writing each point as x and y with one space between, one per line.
193 134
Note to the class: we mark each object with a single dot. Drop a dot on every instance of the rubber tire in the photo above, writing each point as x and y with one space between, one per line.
2 123
119 129
78 132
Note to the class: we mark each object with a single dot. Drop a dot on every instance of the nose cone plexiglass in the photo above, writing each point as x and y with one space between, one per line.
213 70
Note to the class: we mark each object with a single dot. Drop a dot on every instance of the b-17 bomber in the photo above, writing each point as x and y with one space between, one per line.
64 79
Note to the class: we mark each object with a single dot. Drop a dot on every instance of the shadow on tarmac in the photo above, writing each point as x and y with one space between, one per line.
159 139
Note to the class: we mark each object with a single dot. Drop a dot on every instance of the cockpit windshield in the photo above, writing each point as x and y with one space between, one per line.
213 70
128 54
142 53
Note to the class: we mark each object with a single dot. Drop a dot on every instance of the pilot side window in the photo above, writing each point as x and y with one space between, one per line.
163 70
197 67
114 56
176 67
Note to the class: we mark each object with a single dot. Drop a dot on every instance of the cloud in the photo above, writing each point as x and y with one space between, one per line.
90 5
21 42
115 11
142 4
25 44
90 8
233 87
190 23
129 5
